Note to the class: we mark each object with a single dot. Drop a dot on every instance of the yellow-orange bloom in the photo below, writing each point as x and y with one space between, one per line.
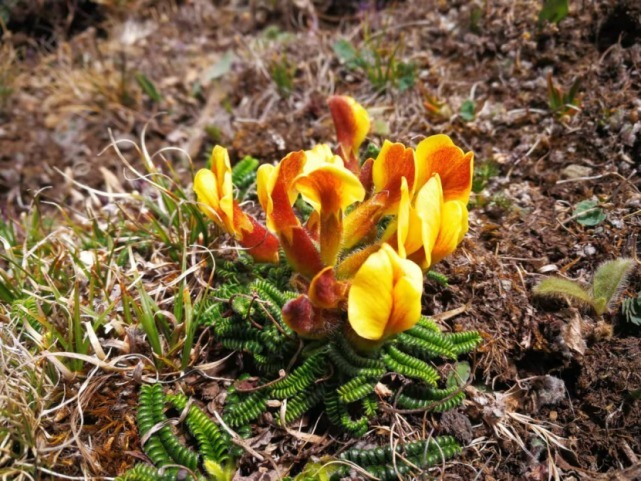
329 188
352 125
215 190
394 163
215 194
385 296
276 194
438 155
454 226
429 228
419 222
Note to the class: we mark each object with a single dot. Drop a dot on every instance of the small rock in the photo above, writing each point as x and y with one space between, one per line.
551 390
575 171
458 425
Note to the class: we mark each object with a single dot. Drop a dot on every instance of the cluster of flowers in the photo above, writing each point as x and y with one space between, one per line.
374 229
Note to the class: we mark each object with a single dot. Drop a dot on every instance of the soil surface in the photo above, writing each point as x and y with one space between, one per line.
254 75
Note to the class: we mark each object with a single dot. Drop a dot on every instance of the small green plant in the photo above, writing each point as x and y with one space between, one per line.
282 73
608 280
561 103
148 87
379 64
631 309
334 373
588 213
468 110
482 175
553 11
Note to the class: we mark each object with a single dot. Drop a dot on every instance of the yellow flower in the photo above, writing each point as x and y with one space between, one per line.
215 190
429 228
215 194
352 125
394 163
329 188
276 194
385 296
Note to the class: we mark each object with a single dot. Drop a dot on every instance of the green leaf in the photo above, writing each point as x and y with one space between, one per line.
588 213
148 87
460 374
438 277
559 287
468 110
554 11
609 279
345 51
6 294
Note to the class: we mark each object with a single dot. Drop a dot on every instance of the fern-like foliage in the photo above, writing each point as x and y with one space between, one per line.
301 378
248 318
243 175
410 366
303 402
631 309
387 463
242 408
145 472
430 399
339 415
465 341
146 419
164 448
213 443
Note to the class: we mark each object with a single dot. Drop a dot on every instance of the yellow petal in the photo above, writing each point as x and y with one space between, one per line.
407 300
265 179
221 167
385 296
428 206
370 298
454 225
409 225
319 156
207 192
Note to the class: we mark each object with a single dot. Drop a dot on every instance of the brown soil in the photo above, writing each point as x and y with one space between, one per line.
68 90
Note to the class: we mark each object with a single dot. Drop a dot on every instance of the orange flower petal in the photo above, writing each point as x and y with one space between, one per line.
261 244
438 155
394 162
330 188
276 192
352 125
300 250
325 291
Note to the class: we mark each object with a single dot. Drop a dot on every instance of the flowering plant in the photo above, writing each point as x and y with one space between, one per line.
374 228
